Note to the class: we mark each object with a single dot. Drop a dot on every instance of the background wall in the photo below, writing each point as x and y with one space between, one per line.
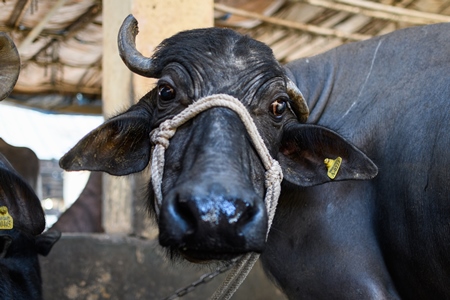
118 267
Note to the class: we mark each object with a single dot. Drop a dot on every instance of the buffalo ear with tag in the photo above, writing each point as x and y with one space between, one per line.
120 146
311 155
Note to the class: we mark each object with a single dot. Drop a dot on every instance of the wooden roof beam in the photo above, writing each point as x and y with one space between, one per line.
380 11
398 11
34 33
17 13
293 25
57 87
84 20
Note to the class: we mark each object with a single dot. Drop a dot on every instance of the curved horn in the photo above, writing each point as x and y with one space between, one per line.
301 107
9 65
132 58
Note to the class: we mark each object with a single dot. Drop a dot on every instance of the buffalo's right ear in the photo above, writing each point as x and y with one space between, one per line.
304 148
120 146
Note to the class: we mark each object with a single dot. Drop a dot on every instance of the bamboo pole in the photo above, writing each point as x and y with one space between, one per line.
430 17
370 13
38 29
17 13
293 25
117 94
61 88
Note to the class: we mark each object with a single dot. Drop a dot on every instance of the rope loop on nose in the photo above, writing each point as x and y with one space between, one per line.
164 134
274 177
160 138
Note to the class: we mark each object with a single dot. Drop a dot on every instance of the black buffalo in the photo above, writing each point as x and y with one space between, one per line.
21 224
22 218
357 236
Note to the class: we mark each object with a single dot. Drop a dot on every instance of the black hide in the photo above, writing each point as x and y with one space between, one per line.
388 237
351 237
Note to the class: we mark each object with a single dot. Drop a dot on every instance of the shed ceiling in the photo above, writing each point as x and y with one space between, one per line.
60 41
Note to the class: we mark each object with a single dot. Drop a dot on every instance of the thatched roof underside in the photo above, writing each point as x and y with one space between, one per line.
60 41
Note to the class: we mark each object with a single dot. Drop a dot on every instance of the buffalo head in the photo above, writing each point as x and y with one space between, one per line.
213 185
9 65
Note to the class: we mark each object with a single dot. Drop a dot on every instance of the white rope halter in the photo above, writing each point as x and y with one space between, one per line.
160 138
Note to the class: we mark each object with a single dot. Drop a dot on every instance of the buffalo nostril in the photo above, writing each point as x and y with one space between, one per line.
176 222
252 220
186 215
246 216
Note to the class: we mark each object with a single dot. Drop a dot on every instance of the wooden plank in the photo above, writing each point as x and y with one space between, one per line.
117 95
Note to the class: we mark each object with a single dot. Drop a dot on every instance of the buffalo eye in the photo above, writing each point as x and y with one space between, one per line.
278 107
166 92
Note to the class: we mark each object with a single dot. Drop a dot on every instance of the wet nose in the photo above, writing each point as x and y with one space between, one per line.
213 219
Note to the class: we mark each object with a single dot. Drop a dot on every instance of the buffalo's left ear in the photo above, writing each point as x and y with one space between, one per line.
121 146
45 241
304 149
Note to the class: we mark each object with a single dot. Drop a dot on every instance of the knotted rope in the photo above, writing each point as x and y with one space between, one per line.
160 138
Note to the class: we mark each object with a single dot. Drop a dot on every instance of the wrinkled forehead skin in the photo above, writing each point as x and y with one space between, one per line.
218 60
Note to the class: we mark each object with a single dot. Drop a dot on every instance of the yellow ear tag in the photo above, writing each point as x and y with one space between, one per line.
6 221
333 166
